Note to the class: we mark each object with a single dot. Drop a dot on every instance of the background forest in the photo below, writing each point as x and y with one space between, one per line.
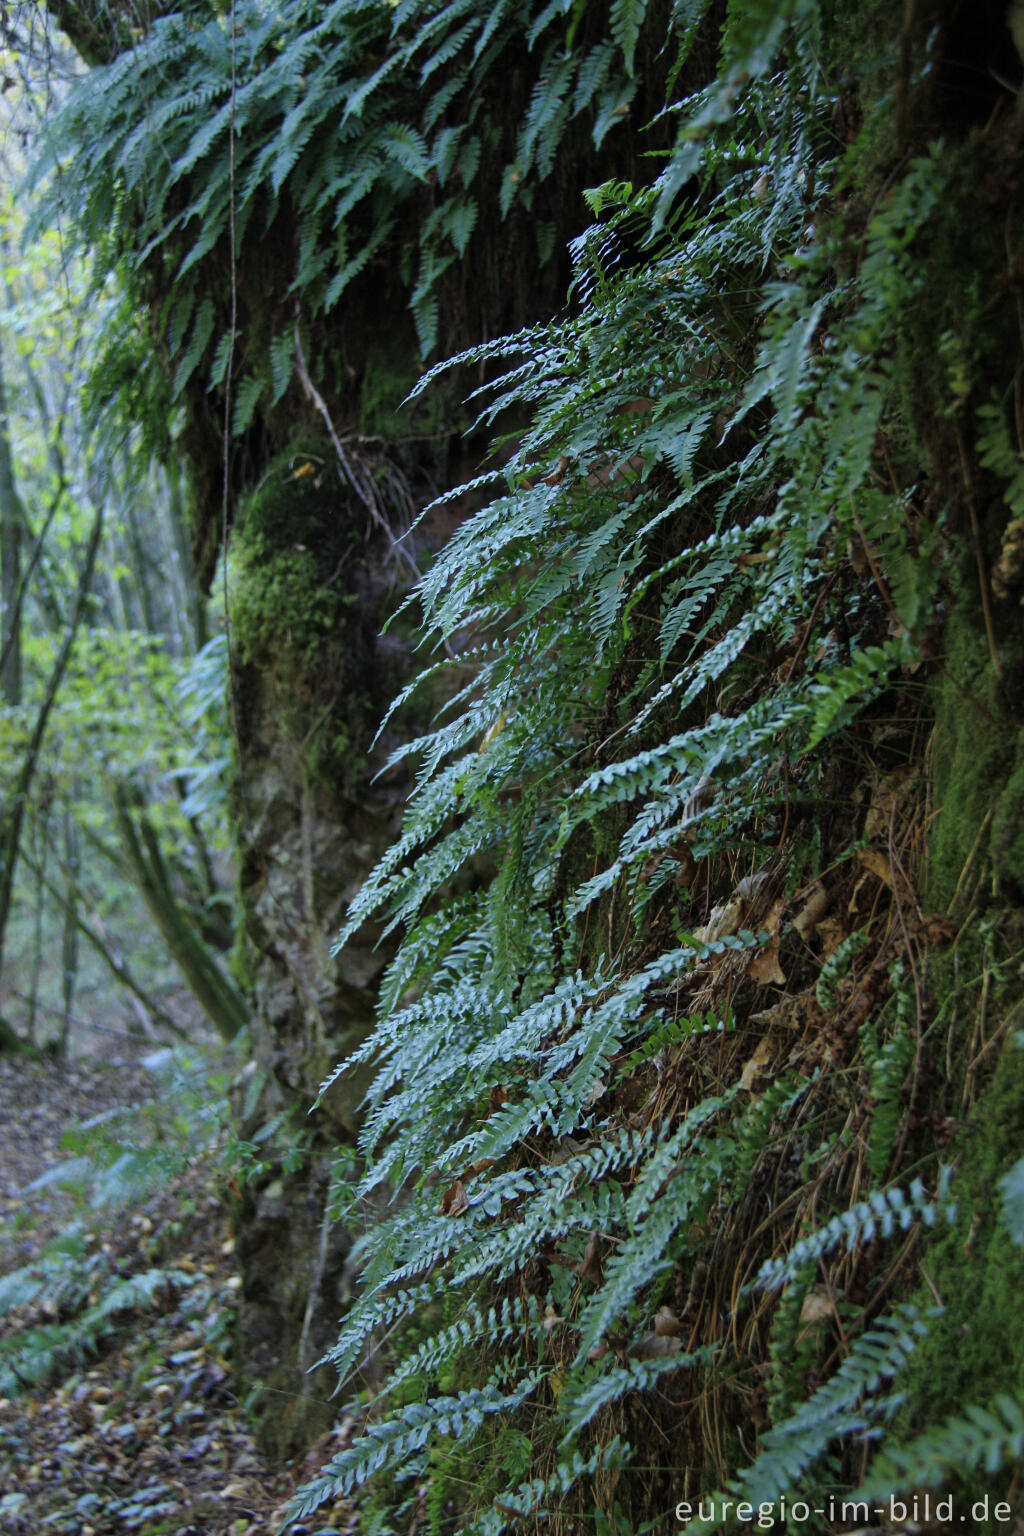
597 430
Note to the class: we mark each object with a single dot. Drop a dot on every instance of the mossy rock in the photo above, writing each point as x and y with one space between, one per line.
975 1348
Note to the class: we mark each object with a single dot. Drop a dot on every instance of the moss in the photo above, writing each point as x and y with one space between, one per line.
304 611
388 376
1008 825
974 747
975 871
975 1349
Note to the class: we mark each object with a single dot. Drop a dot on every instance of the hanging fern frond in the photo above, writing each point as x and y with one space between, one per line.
845 1404
978 1439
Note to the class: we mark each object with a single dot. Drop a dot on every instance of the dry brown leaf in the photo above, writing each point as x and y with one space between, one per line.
598 1091
590 1267
757 1066
877 862
936 930
654 1346
455 1200
812 911
702 797
830 934
887 796
568 1148
724 920
763 968
818 1309
750 885
785 1014
818 1306
683 876
479 1167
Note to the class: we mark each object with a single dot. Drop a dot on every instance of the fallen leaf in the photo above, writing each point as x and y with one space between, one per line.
812 911
830 934
479 1167
886 797
818 1305
874 860
787 1013
757 1065
936 930
654 1346
818 1309
763 967
750 885
724 920
702 797
595 1093
455 1200
590 1266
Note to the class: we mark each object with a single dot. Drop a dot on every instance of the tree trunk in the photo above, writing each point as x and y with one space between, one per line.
220 999
12 819
12 530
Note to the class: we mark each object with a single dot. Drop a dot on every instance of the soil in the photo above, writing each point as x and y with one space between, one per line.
139 1426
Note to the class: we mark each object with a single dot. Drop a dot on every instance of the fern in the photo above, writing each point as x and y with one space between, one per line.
845 1404
656 638
616 639
391 1443
879 1215
978 1439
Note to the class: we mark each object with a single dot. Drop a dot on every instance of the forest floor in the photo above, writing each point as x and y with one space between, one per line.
130 1420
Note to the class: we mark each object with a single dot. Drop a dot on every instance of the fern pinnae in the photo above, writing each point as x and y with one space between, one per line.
881 1213
978 1438
845 1404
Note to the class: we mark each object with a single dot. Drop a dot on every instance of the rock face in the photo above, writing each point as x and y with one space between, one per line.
312 579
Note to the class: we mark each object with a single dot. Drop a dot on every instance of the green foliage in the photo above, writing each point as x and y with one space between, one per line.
336 126
706 556
983 1439
846 1404
63 1304
700 456
880 1215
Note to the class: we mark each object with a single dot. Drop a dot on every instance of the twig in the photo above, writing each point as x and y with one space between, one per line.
362 488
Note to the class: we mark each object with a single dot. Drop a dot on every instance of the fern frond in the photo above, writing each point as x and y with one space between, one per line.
979 1438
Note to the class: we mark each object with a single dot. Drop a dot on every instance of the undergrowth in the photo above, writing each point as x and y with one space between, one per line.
78 1290
662 1093
652 1058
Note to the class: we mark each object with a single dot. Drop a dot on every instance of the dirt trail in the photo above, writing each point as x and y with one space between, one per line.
146 1432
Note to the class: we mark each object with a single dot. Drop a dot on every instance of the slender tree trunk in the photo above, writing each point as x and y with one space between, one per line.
69 937
178 519
221 1000
12 529
106 951
12 816
40 849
